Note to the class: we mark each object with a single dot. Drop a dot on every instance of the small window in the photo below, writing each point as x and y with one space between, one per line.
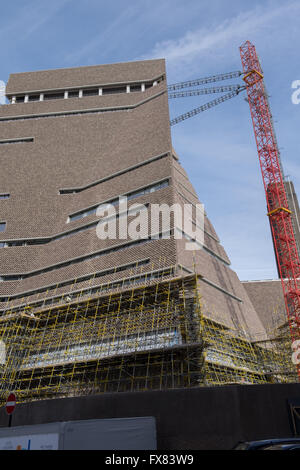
90 212
2 226
4 196
54 96
111 91
16 141
12 278
73 94
34 98
91 92
36 242
134 88
76 217
19 243
20 99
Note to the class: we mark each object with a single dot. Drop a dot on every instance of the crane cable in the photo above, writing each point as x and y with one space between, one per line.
206 106
234 90
202 81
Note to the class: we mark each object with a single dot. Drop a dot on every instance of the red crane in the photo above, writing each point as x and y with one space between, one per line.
278 210
269 158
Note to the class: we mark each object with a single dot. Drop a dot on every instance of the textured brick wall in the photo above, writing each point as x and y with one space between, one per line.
76 151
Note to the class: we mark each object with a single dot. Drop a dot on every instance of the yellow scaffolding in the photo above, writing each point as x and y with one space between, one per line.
149 334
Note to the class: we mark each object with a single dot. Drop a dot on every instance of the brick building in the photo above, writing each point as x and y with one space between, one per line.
72 139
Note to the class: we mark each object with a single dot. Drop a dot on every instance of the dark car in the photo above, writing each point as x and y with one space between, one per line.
292 443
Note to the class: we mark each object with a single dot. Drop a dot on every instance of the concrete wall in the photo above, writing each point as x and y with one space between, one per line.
203 418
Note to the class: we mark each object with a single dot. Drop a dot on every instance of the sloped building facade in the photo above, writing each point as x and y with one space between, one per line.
85 315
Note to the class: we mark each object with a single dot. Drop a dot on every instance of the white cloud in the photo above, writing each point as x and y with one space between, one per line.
207 42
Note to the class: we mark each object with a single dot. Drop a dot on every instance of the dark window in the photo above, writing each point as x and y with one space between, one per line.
4 196
2 226
16 141
54 96
68 191
12 278
73 94
83 258
134 88
34 98
148 85
133 194
91 92
113 90
38 242
20 99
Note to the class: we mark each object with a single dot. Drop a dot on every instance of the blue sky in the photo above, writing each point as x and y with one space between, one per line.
197 38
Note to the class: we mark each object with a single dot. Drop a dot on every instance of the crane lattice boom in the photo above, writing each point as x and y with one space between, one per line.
278 210
205 106
202 81
203 91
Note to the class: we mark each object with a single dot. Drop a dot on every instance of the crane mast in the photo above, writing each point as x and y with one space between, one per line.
270 163
278 210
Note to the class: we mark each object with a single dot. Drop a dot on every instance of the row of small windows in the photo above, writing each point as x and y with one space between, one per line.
79 93
88 277
70 113
115 201
18 277
113 175
134 280
42 241
113 249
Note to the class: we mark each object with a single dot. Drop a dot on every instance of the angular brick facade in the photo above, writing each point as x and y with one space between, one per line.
84 151
74 138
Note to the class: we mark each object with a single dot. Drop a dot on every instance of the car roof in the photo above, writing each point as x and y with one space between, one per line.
265 442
